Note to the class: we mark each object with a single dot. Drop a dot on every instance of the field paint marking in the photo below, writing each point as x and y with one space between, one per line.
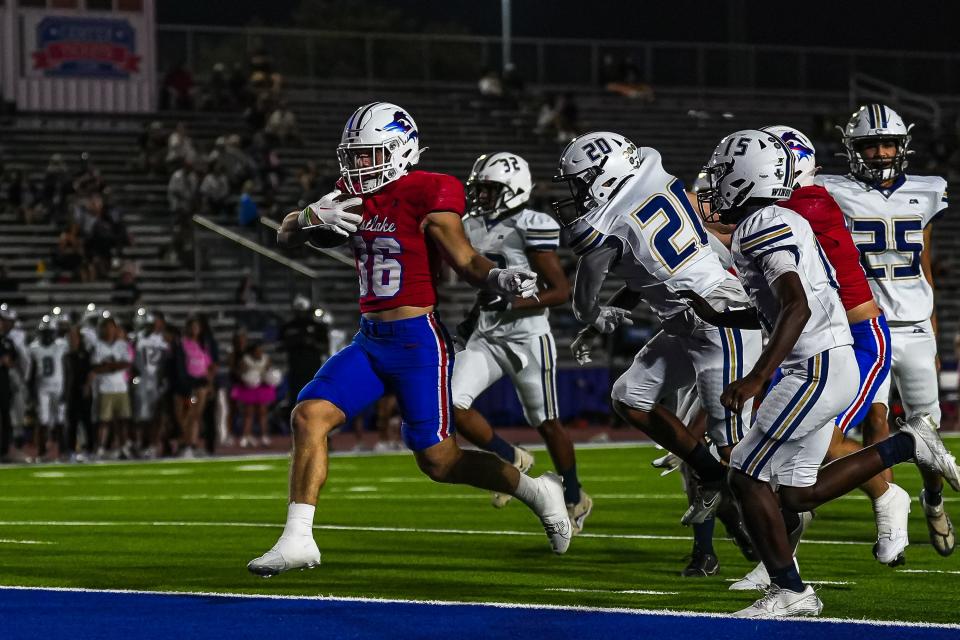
337 527
256 467
827 582
498 605
928 571
9 541
640 592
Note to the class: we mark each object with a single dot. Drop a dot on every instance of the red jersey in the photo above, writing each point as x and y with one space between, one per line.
815 205
397 264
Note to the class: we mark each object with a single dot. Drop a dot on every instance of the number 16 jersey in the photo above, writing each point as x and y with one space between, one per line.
887 226
396 263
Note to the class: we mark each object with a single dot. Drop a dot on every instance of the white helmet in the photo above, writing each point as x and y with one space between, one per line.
594 166
509 173
388 135
746 165
804 153
301 303
871 124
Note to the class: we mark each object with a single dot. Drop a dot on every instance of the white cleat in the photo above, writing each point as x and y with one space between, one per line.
523 460
783 603
757 579
289 553
578 512
892 513
942 536
929 452
553 512
705 502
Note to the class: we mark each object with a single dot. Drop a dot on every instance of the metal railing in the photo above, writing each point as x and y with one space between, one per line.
414 58
865 88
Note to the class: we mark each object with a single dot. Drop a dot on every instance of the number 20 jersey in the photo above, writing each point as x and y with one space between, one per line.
663 246
887 226
397 263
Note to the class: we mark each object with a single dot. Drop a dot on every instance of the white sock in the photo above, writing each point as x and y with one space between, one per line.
885 497
299 520
528 490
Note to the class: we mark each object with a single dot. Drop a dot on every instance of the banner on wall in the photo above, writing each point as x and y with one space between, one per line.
74 47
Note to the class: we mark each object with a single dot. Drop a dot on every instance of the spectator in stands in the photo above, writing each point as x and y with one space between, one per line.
125 289
87 180
282 126
253 395
8 361
623 78
23 197
568 118
177 90
247 212
237 85
546 118
228 154
216 93
101 240
513 83
215 191
256 114
247 293
208 340
193 387
152 145
56 187
489 84
311 186
69 258
238 347
182 190
180 149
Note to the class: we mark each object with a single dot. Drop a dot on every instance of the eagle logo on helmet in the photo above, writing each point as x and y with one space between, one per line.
793 141
401 124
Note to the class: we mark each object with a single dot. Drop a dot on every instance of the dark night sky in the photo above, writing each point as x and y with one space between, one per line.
878 24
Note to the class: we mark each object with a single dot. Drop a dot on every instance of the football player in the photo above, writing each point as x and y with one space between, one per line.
629 217
408 221
512 335
808 338
890 215
47 352
150 366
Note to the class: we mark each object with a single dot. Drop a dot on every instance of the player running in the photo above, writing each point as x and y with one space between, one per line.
890 215
808 338
512 336
628 216
409 220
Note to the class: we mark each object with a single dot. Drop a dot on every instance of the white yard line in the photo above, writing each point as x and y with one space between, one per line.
639 592
9 541
458 603
928 571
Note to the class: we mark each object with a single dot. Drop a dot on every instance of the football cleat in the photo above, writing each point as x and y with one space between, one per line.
701 565
578 512
289 553
523 460
942 536
705 502
783 603
929 452
553 512
758 578
892 517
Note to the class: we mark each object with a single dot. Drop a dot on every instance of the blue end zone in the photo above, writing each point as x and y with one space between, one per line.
40 613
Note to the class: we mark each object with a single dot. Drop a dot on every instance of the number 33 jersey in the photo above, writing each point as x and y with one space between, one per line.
396 263
887 226
662 245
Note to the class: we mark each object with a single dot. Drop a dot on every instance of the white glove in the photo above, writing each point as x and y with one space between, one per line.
327 213
581 347
513 281
610 318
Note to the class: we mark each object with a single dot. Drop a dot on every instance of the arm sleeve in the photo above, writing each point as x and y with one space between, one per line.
540 232
592 270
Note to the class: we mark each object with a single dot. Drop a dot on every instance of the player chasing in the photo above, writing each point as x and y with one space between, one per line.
775 469
890 215
629 217
511 336
410 219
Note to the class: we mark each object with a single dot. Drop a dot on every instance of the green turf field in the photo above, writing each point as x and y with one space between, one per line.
386 531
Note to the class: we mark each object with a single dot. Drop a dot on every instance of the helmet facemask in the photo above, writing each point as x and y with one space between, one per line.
367 167
877 170
581 200
487 198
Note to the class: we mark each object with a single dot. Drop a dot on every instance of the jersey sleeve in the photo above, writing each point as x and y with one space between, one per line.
770 244
939 200
539 231
445 193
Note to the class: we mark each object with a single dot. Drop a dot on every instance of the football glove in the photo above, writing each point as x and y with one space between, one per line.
582 345
331 214
610 318
513 281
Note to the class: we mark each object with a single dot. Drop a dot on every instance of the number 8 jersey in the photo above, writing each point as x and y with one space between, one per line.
662 245
396 263
887 226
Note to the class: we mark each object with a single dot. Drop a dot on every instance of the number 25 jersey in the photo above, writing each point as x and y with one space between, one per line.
887 226
397 263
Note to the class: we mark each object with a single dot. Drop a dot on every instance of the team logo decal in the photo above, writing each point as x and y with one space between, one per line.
796 145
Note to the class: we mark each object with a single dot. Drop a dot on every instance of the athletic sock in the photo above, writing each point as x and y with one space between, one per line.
502 448
299 520
933 498
787 578
895 449
703 536
571 485
708 468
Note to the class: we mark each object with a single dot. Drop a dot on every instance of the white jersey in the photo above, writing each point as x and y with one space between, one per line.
887 226
774 241
48 364
506 242
150 353
660 244
104 352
